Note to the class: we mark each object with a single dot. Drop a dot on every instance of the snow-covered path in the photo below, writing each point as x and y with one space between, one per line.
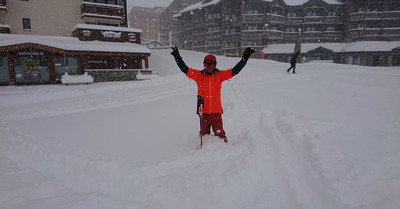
327 137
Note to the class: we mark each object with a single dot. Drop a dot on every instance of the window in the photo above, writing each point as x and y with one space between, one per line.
68 65
252 27
213 29
250 11
251 43
330 28
331 14
214 16
31 68
308 29
291 30
26 22
4 74
311 13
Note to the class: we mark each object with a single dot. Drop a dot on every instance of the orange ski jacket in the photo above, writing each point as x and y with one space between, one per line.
209 87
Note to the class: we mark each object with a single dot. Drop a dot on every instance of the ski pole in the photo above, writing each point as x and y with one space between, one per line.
200 103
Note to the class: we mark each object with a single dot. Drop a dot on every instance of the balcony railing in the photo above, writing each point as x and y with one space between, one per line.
102 10
3 5
253 18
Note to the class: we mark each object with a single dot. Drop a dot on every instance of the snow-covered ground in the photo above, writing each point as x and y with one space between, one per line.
327 137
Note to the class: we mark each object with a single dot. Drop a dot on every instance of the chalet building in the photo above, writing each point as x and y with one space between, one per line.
367 53
38 46
226 27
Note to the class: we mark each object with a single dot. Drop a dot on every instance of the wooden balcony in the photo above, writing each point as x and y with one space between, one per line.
105 11
3 5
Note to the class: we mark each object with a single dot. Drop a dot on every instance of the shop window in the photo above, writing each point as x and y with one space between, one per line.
26 22
68 65
4 75
136 63
31 69
125 63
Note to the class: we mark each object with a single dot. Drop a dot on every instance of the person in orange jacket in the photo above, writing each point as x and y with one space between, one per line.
209 82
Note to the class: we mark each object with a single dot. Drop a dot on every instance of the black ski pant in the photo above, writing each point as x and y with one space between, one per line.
292 66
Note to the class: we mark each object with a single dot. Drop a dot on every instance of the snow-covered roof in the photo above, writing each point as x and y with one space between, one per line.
301 2
362 46
369 46
295 2
4 26
105 27
199 6
287 2
72 43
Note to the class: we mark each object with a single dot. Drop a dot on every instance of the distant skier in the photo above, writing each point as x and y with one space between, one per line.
209 82
293 62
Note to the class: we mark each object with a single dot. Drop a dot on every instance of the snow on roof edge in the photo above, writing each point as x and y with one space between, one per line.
104 27
199 6
72 43
361 46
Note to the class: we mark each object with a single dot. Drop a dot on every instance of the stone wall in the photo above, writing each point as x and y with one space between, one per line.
107 75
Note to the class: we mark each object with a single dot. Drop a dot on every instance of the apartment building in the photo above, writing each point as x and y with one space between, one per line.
170 25
41 40
226 27
146 19
373 20
257 23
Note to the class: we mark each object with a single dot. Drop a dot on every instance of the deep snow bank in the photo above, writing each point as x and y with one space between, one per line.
324 138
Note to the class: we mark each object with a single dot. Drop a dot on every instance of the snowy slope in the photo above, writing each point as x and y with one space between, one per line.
327 137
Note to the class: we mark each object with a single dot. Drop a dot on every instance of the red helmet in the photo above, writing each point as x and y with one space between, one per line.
209 58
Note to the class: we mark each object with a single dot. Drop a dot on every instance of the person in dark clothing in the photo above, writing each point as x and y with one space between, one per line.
209 82
293 62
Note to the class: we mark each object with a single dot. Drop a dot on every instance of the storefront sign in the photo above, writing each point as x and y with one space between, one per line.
30 53
111 34
132 37
97 61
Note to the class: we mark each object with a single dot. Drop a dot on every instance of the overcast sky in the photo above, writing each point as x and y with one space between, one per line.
148 3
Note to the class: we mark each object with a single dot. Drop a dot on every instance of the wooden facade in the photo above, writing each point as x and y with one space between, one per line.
366 53
49 63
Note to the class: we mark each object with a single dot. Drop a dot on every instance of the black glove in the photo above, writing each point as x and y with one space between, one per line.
247 53
175 52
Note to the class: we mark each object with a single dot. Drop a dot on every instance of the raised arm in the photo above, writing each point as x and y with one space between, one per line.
246 55
179 61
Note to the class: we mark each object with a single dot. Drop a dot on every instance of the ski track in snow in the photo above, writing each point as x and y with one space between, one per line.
273 159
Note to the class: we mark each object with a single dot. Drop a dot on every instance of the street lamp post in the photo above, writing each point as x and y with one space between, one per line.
264 34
